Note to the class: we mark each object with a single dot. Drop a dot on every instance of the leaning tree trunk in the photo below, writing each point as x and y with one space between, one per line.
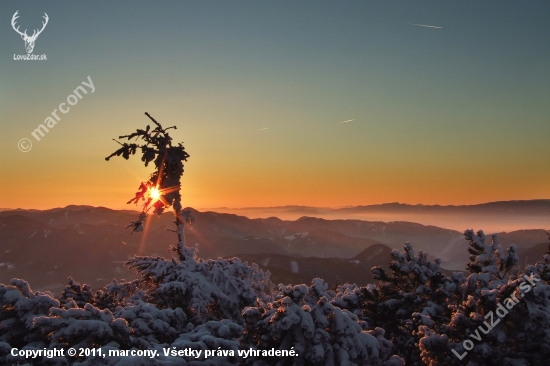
183 217
180 249
169 171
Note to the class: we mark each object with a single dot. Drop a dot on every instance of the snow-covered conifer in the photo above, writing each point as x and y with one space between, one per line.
87 327
402 301
80 294
151 325
489 258
497 316
321 334
204 289
117 294
19 306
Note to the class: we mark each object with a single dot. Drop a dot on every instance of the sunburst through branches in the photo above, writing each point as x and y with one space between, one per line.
162 190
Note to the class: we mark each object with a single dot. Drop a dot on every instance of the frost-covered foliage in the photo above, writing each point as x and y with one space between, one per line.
304 320
204 289
502 326
87 327
401 301
496 316
428 315
118 294
489 258
413 315
151 325
19 307
214 335
178 305
542 267
80 294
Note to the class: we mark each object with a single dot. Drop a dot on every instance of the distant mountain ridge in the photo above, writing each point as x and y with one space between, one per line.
492 216
540 206
511 207
536 206
90 244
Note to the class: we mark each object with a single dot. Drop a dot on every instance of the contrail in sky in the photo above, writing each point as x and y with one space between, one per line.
424 25
262 129
349 120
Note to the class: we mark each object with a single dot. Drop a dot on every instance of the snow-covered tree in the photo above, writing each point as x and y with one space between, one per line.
19 306
204 289
319 333
118 294
87 327
162 190
80 294
489 258
401 301
497 315
151 325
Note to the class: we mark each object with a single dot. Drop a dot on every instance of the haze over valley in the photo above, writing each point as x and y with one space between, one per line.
492 216
91 245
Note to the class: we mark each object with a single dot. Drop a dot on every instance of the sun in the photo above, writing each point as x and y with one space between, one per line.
154 193
153 196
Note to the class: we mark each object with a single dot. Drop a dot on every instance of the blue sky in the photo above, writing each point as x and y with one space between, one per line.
457 114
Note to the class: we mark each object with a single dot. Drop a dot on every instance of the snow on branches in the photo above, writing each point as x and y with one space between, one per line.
489 258
162 190
205 289
319 332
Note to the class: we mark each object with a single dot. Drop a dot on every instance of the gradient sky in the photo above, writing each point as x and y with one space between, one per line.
258 90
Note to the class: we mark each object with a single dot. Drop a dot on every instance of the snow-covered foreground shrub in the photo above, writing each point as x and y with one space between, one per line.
303 320
204 289
151 325
87 327
179 304
399 302
188 311
498 315
428 316
19 306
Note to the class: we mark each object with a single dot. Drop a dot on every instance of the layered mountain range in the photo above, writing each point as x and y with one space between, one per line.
492 216
91 245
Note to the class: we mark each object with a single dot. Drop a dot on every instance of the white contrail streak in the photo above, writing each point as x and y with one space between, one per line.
349 120
262 129
424 25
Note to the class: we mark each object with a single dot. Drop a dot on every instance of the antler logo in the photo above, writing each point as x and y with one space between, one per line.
29 41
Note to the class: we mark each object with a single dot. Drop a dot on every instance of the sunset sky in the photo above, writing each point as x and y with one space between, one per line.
320 103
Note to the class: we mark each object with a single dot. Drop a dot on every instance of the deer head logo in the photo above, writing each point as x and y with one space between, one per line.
29 40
